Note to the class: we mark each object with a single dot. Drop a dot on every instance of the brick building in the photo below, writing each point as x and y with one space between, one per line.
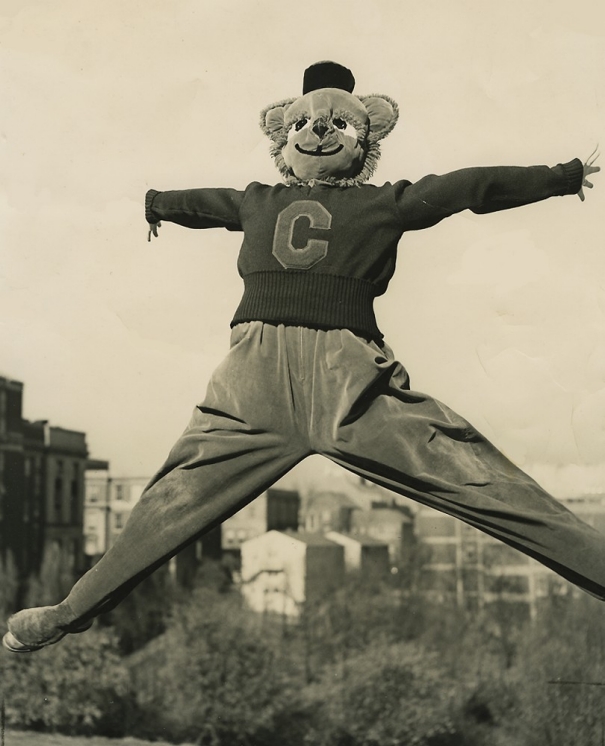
13 537
41 486
55 464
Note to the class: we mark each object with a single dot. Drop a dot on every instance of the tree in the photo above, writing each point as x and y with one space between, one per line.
9 584
54 581
77 687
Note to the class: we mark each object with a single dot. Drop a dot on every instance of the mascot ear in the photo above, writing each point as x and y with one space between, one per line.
272 120
383 113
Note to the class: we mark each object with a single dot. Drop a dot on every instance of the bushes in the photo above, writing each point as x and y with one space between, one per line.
561 680
142 615
77 687
214 677
385 694
54 581
221 676
363 668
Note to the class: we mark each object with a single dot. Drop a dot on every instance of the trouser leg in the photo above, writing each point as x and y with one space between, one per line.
418 447
217 479
239 442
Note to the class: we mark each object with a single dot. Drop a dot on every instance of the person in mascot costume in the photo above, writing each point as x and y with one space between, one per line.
308 371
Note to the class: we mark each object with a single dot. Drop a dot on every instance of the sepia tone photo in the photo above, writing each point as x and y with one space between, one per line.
302 376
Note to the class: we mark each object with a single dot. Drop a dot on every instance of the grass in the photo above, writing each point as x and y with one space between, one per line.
27 738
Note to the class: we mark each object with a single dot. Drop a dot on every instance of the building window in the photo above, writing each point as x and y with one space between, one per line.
470 553
58 497
119 492
74 497
92 543
74 501
58 491
119 521
2 412
2 486
37 476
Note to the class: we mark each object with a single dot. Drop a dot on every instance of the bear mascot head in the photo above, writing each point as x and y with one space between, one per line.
328 134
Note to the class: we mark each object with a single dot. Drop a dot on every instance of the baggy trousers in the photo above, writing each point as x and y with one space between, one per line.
285 392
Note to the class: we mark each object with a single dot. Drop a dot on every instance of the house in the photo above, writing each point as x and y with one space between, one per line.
275 509
328 511
363 554
283 571
107 506
96 509
391 524
124 494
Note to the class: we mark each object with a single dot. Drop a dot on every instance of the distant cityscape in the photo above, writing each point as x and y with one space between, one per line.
284 548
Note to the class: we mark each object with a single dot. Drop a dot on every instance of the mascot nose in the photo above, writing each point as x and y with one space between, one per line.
320 128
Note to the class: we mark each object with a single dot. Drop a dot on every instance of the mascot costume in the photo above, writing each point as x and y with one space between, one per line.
308 371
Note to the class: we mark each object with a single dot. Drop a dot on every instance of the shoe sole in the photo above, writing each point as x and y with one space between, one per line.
10 642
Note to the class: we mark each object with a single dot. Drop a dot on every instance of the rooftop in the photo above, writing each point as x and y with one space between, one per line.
8 379
309 538
366 541
327 498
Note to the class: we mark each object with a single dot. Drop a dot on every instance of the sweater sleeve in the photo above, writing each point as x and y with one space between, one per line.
196 208
483 190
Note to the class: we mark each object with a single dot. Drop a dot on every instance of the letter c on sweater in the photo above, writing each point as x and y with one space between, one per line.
315 249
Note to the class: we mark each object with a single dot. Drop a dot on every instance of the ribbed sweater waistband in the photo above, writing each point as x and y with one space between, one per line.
302 298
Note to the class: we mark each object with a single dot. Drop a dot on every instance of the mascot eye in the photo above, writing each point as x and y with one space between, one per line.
345 127
300 124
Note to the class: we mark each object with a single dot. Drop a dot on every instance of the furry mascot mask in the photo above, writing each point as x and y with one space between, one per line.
328 134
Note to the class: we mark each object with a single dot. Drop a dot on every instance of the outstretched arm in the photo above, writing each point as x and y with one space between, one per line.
484 190
194 208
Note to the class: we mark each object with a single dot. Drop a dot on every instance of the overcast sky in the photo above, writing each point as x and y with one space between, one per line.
500 316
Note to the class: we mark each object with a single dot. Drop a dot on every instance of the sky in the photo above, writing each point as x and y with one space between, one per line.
500 316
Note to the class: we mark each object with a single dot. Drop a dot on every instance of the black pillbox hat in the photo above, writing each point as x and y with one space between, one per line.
328 75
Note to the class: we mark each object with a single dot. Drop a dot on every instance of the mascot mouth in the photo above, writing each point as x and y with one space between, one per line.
319 152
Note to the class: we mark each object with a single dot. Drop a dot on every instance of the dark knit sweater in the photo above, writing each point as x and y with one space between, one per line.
317 255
